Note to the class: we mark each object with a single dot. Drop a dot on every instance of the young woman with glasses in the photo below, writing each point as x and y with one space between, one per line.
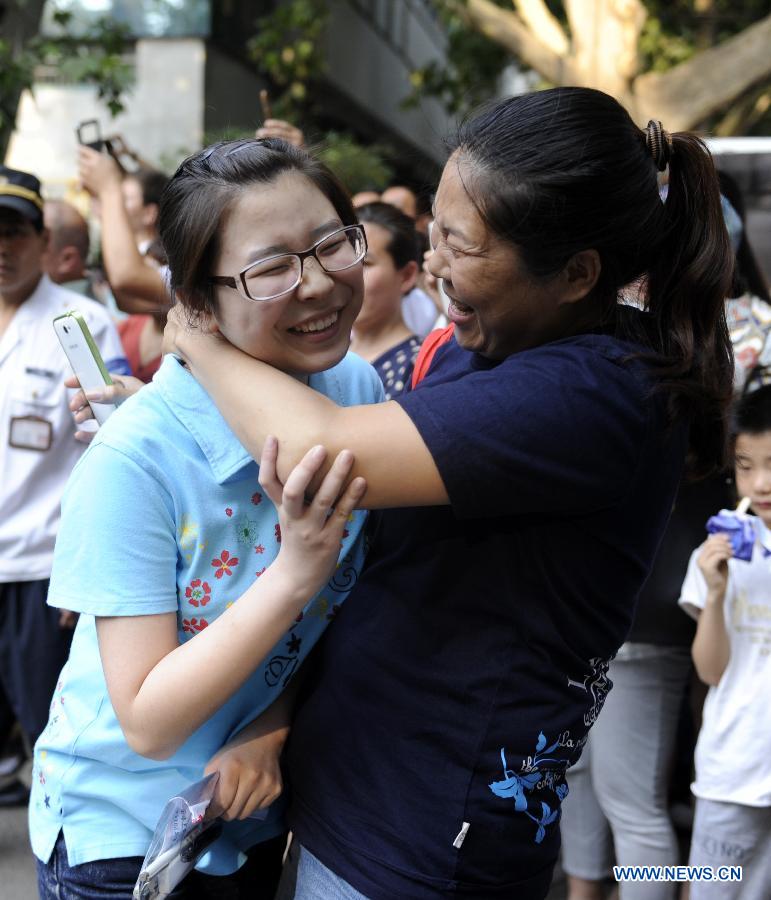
201 586
535 466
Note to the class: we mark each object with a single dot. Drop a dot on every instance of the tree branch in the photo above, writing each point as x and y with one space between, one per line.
536 15
685 96
508 30
605 38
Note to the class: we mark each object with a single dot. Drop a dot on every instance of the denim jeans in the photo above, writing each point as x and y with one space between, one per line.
114 879
306 878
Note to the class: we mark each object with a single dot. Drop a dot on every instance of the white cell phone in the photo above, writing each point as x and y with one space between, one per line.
84 357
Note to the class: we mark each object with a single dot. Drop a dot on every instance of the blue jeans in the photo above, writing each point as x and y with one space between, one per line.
114 879
306 878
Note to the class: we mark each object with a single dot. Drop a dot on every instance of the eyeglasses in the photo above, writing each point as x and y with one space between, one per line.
275 276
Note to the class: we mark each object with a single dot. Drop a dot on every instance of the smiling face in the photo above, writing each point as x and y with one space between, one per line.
497 306
753 472
308 329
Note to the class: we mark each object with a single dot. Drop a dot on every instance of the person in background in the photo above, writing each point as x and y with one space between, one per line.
403 198
142 339
390 268
749 308
138 283
142 332
37 448
363 197
418 309
283 130
142 192
729 598
68 244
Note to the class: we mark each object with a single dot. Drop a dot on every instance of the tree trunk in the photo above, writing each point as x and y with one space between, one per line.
685 96
19 22
603 54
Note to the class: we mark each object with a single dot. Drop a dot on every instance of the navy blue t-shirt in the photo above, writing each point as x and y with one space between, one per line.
461 676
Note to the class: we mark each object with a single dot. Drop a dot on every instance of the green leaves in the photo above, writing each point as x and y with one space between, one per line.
287 49
96 59
360 168
470 72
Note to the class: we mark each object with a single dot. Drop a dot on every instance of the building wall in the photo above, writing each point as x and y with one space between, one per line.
372 46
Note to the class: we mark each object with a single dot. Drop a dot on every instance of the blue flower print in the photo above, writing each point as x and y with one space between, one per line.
531 777
515 785
547 817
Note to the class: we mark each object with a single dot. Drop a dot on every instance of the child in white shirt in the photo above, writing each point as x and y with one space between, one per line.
731 599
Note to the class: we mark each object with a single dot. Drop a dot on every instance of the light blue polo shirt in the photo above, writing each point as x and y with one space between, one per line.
164 513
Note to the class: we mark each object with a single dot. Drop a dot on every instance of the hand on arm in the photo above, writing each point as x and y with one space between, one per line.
257 400
148 672
711 648
138 287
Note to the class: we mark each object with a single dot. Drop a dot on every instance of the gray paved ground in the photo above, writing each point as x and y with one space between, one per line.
17 869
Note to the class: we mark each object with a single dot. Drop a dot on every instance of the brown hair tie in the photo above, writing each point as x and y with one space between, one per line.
659 144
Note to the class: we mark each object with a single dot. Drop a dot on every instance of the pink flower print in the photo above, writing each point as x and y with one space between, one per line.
198 593
224 564
228 512
259 549
257 498
278 533
260 572
194 625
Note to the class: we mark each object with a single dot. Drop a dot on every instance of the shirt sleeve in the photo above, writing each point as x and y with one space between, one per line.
553 431
693 594
116 551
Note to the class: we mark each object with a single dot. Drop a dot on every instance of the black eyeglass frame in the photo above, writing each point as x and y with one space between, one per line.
238 282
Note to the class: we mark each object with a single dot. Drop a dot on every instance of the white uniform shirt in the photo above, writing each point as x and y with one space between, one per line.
733 762
32 370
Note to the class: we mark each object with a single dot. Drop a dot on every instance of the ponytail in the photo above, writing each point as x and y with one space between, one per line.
689 280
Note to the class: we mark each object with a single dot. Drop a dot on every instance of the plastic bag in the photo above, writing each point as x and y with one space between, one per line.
740 529
181 837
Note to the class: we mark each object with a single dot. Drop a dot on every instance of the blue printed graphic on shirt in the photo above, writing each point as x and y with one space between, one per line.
542 774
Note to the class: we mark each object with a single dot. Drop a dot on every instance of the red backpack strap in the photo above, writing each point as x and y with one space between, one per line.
427 351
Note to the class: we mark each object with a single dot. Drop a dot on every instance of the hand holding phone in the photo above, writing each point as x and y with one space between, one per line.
84 357
89 133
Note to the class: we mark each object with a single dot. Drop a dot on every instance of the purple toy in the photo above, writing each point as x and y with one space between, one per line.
739 527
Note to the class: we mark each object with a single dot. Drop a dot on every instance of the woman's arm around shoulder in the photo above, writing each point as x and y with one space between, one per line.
258 400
